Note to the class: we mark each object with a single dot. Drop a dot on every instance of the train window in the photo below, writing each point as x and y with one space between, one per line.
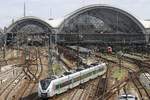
94 64
65 83
79 69
58 86
94 72
87 66
89 74
67 73
77 79
100 69
97 71
84 76
45 83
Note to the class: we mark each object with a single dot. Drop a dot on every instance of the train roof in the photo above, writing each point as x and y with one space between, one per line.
81 69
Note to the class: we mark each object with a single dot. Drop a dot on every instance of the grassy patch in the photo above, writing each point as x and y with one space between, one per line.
57 69
148 90
119 74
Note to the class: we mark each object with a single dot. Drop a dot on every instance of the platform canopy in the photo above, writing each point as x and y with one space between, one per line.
101 19
29 24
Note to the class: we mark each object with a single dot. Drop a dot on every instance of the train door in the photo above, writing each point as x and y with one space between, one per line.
81 78
69 82
72 83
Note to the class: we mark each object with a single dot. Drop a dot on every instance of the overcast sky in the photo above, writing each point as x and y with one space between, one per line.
45 9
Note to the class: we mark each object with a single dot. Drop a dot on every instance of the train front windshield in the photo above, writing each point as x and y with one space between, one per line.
45 83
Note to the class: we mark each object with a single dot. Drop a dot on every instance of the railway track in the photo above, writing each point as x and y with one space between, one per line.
38 75
32 83
140 55
24 87
6 91
141 89
134 78
102 84
104 91
101 87
114 61
84 91
10 94
12 70
113 90
14 85
139 61
9 91
109 93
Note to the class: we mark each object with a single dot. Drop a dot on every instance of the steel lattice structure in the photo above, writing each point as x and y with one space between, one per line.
95 16
94 23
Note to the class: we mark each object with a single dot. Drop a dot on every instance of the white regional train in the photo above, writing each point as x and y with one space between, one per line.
52 86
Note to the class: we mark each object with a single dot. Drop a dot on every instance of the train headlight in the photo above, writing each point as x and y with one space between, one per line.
44 95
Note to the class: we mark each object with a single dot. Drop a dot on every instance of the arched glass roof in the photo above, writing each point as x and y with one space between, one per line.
101 19
29 25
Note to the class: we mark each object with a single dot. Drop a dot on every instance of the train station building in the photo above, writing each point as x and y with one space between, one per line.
93 24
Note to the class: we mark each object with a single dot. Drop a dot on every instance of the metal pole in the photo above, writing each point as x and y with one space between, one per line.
4 47
18 38
50 55
24 13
